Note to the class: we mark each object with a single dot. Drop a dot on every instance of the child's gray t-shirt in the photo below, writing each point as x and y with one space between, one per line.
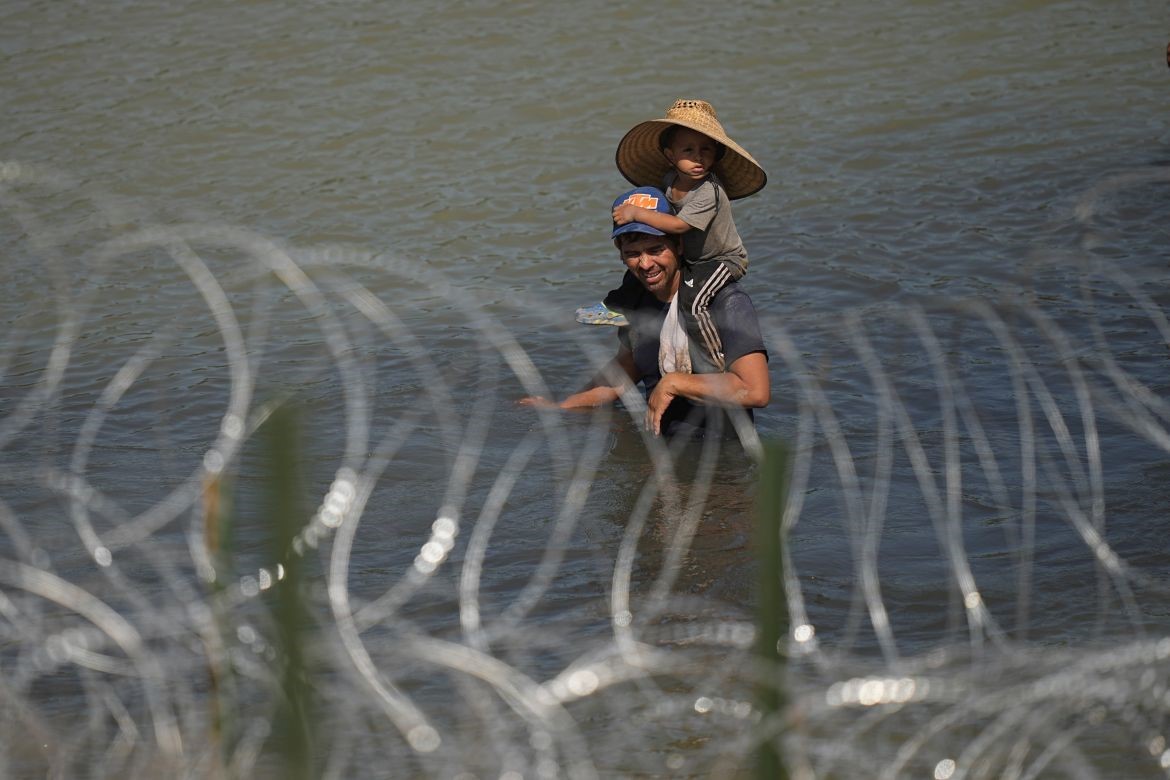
713 236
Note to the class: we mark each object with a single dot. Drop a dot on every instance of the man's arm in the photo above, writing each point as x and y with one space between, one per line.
745 383
601 390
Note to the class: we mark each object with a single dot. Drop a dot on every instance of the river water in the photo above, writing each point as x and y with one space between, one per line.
384 214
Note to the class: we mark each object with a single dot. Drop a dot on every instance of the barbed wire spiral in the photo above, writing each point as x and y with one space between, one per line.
470 599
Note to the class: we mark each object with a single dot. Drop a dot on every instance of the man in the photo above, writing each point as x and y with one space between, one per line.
684 384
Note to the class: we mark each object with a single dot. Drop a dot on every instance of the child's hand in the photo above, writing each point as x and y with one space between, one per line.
626 213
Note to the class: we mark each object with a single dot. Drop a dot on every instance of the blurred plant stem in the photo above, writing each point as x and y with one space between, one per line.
292 731
218 541
772 606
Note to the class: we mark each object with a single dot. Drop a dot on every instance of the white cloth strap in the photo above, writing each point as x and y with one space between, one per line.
674 348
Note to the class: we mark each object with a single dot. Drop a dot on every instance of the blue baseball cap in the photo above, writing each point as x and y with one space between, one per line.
648 198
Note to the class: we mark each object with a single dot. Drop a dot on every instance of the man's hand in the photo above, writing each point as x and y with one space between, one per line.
600 391
538 401
586 399
664 392
744 384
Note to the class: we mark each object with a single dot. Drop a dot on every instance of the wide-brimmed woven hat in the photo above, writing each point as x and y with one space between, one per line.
641 161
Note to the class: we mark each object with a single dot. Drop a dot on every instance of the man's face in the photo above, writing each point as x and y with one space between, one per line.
654 261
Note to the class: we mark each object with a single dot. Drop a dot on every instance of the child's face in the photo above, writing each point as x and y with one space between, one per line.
691 153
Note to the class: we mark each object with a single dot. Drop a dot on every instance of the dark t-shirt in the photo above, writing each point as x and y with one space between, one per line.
735 317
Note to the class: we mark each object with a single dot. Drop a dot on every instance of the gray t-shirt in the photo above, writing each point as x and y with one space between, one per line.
712 236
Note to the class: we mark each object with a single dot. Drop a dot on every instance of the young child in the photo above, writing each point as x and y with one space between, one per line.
701 170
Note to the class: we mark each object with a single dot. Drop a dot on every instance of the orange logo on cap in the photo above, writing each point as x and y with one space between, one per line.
642 200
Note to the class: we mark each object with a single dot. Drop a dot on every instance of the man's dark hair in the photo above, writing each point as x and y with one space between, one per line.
674 241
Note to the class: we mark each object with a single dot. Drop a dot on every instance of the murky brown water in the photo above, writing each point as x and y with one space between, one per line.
457 160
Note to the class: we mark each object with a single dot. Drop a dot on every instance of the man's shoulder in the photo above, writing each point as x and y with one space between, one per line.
738 323
732 294
733 309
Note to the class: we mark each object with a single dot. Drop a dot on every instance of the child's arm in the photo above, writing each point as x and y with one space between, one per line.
667 223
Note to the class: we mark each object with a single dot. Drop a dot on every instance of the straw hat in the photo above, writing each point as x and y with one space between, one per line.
641 161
